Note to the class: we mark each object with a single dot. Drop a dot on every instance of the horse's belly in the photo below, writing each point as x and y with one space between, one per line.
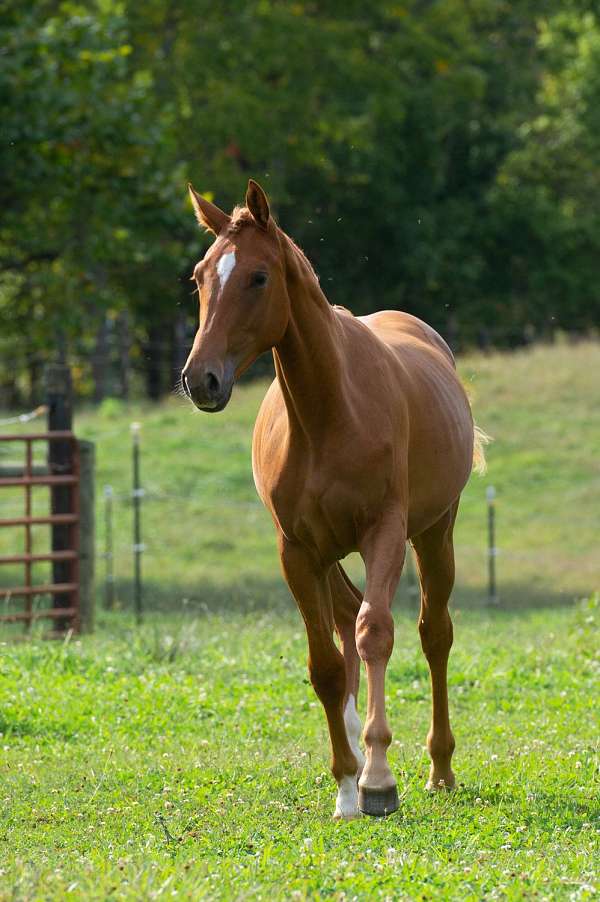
439 461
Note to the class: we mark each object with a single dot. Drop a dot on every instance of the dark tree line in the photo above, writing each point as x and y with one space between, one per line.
438 157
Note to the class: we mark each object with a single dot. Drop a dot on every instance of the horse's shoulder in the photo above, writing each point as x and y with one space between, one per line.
271 410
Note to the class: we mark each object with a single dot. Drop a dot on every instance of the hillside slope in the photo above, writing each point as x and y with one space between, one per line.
210 541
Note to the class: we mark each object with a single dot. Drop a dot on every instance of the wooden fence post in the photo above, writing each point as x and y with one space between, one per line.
87 455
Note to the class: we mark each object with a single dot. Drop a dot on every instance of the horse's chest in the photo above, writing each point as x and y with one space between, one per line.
326 510
322 494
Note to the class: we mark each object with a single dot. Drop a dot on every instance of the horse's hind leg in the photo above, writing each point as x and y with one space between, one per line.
435 559
347 600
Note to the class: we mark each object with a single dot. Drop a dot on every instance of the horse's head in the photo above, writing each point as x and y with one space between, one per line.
244 307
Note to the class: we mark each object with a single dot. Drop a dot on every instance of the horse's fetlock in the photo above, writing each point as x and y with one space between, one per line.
441 747
345 767
377 734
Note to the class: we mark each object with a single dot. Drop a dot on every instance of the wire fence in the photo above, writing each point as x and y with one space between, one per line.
164 543
137 497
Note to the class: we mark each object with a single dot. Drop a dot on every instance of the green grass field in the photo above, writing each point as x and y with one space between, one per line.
188 758
191 761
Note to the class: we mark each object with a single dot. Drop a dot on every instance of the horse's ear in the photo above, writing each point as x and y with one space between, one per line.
257 203
207 214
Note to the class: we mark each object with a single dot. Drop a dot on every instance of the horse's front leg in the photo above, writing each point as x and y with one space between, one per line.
310 586
383 553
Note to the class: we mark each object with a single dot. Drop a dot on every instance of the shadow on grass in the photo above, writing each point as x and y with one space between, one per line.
557 808
34 728
272 595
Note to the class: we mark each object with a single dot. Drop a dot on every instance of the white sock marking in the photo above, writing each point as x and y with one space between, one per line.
346 804
353 730
225 268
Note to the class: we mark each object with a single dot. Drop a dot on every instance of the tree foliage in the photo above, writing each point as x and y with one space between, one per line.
438 157
545 197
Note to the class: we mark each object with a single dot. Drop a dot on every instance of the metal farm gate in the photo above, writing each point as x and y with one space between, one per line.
62 476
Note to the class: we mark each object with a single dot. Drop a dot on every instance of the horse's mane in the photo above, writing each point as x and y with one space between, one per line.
240 218
302 256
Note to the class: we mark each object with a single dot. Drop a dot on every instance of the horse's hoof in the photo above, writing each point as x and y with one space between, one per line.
378 802
440 785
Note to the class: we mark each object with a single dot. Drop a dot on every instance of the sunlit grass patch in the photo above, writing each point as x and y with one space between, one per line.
190 757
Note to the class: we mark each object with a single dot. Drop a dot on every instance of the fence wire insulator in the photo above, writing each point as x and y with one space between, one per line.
25 417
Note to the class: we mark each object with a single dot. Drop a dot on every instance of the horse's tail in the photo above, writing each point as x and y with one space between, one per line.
480 440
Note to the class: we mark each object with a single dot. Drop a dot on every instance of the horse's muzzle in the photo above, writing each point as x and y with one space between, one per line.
209 387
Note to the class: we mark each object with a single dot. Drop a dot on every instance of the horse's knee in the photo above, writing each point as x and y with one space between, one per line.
374 633
328 678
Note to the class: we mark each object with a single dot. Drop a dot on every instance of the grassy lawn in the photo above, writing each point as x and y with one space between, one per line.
188 758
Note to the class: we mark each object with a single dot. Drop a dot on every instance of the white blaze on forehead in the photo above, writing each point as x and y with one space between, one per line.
225 268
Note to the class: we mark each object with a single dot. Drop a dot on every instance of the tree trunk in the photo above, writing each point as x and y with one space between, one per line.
99 361
35 381
153 362
124 350
10 396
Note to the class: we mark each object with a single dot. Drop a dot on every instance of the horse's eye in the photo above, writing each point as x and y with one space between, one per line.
259 279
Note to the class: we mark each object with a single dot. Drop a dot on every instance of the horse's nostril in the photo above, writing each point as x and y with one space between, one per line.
212 383
185 385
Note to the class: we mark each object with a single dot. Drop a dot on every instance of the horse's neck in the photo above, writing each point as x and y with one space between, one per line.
308 361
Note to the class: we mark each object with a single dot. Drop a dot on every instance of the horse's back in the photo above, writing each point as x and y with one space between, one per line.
398 330
422 367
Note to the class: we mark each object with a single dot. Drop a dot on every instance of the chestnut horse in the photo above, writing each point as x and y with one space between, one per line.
364 440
